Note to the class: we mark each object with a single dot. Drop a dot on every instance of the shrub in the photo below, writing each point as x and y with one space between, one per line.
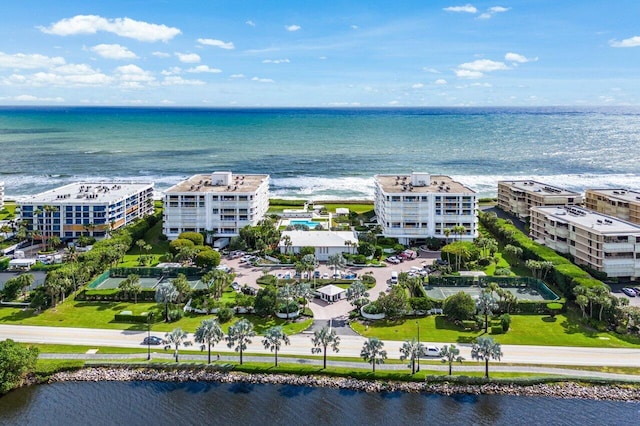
420 303
195 237
496 329
359 259
505 322
126 317
176 245
175 314
373 308
292 306
225 314
469 325
484 261
4 263
208 259
459 307
505 272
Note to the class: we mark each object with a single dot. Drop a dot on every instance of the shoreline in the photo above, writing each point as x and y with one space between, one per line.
563 389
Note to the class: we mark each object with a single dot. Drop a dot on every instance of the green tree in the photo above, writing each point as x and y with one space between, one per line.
411 350
16 361
484 350
166 293
176 338
337 262
209 333
265 303
485 305
321 340
459 307
140 243
131 285
181 284
373 353
357 294
208 259
240 335
273 339
394 303
450 354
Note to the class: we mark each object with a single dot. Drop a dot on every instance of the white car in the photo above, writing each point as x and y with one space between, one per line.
432 351
629 291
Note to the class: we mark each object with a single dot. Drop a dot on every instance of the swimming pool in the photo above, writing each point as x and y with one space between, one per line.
308 223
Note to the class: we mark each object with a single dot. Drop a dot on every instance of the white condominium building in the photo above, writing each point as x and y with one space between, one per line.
420 205
219 203
518 196
621 203
602 242
90 208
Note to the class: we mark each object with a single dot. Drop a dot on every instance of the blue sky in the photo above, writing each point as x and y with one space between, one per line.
320 53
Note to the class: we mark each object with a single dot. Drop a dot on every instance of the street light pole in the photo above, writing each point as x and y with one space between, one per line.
149 318
418 324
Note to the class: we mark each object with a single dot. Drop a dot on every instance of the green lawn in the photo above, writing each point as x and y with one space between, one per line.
8 211
100 315
153 237
331 207
525 330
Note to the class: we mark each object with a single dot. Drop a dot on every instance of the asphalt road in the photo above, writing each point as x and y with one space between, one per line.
350 346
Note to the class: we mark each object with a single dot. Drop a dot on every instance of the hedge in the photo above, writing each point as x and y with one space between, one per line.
4 263
565 274
496 329
115 295
137 319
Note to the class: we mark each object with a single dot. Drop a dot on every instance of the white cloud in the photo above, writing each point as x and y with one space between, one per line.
481 85
124 27
161 54
29 61
262 80
468 74
217 43
393 103
483 65
134 73
440 82
276 61
204 68
188 58
627 42
179 81
417 86
113 51
236 76
172 71
355 27
467 8
431 70
250 23
72 75
167 102
292 28
31 98
515 57
492 11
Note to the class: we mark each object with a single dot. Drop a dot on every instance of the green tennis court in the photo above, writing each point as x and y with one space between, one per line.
114 282
442 292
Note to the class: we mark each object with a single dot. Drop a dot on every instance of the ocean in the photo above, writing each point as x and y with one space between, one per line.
197 403
320 153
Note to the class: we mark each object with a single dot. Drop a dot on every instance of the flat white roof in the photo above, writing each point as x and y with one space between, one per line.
88 193
331 290
586 218
541 188
619 194
205 183
398 184
320 238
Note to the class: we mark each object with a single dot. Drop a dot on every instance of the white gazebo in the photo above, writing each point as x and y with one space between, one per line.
331 293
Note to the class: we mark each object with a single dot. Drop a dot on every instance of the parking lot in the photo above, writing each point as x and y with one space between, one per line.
616 290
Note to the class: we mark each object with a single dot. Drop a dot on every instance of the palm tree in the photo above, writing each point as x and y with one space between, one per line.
373 353
484 350
303 291
323 338
210 333
458 230
450 354
357 294
240 334
26 280
337 261
286 242
485 305
166 293
411 350
273 339
177 337
181 283
287 293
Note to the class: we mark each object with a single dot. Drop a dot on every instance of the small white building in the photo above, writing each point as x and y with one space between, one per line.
331 293
326 243
21 264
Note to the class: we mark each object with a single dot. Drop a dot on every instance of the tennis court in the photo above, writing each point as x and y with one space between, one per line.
442 292
114 282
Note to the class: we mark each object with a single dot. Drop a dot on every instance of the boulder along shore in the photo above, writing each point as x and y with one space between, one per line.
568 389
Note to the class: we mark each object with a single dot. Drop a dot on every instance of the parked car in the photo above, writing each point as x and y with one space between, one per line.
153 340
316 274
325 276
431 351
629 291
393 259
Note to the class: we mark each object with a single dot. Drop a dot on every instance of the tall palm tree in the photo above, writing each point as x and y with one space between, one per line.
411 350
273 339
357 294
373 353
176 338
337 261
166 293
485 305
26 280
209 333
140 243
322 339
240 335
450 354
484 350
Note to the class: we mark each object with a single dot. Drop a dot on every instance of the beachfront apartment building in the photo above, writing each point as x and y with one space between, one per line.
86 208
518 196
219 204
602 242
621 203
418 206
